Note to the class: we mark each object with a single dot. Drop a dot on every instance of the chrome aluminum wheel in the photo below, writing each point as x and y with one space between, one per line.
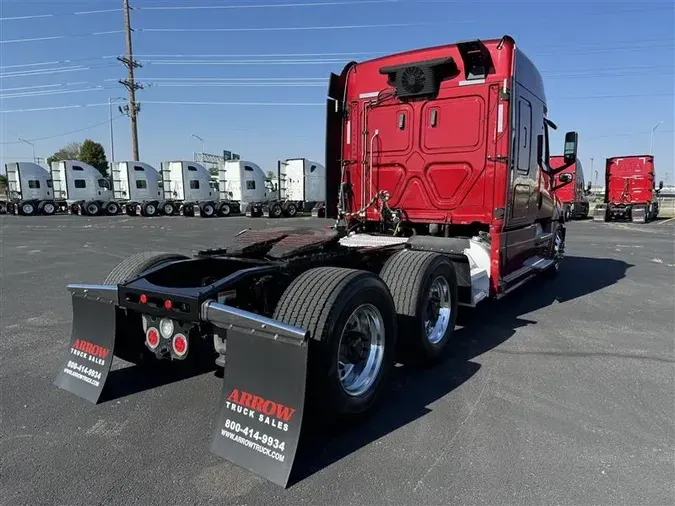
361 350
438 310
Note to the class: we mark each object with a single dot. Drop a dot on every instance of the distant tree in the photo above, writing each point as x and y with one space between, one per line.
3 184
271 174
68 152
93 154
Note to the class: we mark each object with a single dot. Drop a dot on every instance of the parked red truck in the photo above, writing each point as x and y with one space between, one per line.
630 190
441 187
573 196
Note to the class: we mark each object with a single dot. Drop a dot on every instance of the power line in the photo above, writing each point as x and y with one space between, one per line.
89 127
51 93
41 16
54 70
52 62
291 28
56 37
623 45
303 104
267 5
204 7
277 5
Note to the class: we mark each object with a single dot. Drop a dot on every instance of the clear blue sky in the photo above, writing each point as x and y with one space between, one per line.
608 69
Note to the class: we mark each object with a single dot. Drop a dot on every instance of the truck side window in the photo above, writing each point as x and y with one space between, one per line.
190 167
80 183
102 183
312 168
139 168
33 184
250 185
524 136
50 183
248 168
77 167
141 184
194 184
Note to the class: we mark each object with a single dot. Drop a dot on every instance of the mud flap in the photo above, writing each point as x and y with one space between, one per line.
599 213
262 402
90 354
638 214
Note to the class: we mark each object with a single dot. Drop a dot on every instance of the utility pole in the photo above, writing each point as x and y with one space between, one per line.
132 108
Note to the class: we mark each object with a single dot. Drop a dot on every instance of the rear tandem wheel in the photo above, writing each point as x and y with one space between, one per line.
424 287
351 317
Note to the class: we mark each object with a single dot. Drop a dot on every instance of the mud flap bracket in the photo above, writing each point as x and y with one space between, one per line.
92 341
262 402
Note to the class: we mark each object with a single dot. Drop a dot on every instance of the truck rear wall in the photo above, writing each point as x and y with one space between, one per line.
629 179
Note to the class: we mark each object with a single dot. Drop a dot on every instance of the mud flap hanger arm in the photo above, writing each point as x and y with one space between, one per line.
100 293
232 318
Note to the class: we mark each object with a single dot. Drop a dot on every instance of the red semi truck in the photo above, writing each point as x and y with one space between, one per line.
630 190
573 196
440 185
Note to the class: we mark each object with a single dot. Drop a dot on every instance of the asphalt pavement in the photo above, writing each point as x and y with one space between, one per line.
561 393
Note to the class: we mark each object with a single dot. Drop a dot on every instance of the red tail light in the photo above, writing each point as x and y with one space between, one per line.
152 337
167 304
143 298
180 345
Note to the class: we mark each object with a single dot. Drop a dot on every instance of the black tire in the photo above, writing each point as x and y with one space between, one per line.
46 207
410 276
557 253
129 342
3 208
92 208
291 210
321 300
28 208
276 211
138 263
149 209
112 208
225 210
207 210
169 209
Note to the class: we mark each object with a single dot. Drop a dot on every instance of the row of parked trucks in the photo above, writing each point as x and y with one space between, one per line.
179 188
188 188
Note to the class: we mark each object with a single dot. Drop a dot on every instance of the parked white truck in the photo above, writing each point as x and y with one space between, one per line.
243 182
29 190
301 188
190 189
82 189
138 188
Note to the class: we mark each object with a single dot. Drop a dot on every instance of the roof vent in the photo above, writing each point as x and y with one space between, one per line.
420 79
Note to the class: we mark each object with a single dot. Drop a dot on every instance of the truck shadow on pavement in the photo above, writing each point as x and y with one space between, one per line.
479 330
135 379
